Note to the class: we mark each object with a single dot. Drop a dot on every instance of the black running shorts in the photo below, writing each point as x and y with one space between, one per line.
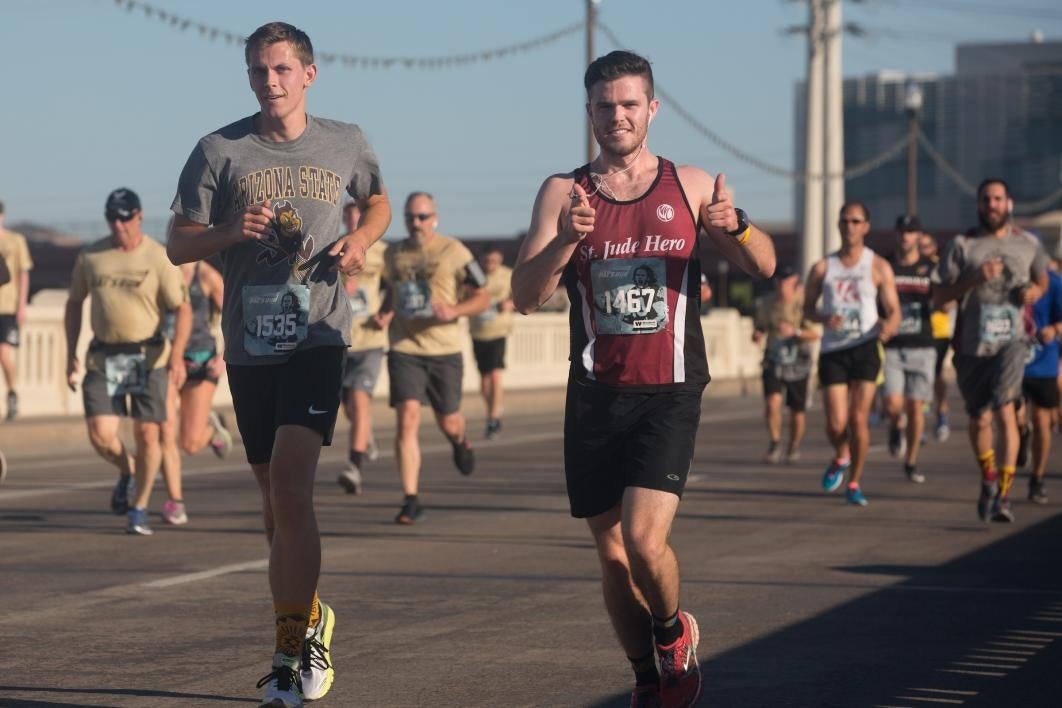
794 393
490 354
863 362
304 390
1041 392
614 440
9 330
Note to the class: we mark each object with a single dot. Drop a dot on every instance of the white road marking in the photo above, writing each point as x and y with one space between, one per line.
262 564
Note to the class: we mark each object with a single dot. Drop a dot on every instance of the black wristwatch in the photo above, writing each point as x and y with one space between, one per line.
743 223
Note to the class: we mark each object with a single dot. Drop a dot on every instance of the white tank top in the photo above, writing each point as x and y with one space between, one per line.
850 293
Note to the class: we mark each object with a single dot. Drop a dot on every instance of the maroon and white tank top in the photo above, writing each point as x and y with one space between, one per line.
634 285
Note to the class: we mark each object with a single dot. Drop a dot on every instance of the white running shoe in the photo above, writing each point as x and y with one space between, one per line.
221 442
283 684
317 671
350 479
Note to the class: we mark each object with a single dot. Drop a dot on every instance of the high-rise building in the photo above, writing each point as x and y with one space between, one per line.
999 115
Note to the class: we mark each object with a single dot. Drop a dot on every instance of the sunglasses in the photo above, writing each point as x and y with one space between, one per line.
418 217
115 216
852 221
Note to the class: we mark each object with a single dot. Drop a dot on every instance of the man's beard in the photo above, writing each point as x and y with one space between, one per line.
988 224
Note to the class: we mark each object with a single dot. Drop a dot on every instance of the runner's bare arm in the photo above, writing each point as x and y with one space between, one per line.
375 218
475 301
813 291
72 327
890 299
182 330
755 254
559 222
213 285
190 241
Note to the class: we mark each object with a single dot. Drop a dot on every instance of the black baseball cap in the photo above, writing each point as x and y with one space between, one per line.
908 222
122 205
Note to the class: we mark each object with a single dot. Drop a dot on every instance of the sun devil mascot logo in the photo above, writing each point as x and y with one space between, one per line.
285 240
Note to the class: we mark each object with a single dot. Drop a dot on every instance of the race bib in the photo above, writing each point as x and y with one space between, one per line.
359 303
911 318
629 295
275 318
126 374
851 322
414 300
784 353
999 323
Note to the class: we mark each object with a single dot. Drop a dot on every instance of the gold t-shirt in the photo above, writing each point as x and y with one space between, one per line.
492 323
16 254
365 301
130 292
417 277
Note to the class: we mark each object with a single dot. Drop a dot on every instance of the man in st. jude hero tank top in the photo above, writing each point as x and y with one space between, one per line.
624 233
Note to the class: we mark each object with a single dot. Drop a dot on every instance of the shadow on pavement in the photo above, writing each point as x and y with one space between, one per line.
28 703
982 630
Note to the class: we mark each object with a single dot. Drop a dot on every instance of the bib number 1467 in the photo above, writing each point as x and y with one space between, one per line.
279 325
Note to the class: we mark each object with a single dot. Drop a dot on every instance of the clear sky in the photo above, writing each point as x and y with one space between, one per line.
97 97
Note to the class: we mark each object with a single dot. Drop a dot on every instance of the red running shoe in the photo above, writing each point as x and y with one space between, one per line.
680 674
647 696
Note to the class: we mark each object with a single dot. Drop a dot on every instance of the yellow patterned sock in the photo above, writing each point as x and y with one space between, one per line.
987 460
1006 479
315 611
291 628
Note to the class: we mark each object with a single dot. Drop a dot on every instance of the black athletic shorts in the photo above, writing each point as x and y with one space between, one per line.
434 380
1041 392
9 330
794 393
490 354
862 362
304 390
614 440
941 345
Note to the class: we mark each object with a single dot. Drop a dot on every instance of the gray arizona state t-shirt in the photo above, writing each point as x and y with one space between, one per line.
990 315
280 292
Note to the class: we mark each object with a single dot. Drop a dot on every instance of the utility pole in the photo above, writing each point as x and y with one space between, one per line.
813 237
834 123
591 21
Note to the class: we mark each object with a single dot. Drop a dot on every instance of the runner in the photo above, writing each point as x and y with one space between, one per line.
5 278
190 423
13 298
489 330
265 193
431 281
910 358
130 279
779 319
638 364
993 272
1039 385
368 339
851 282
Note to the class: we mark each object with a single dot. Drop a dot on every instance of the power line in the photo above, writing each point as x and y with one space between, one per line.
352 61
1008 9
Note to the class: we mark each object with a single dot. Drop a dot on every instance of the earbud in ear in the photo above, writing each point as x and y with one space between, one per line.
435 224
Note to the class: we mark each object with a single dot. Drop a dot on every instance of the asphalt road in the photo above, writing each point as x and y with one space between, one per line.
493 599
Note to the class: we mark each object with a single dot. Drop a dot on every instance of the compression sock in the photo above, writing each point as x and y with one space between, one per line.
667 631
987 460
291 628
356 457
315 611
1006 478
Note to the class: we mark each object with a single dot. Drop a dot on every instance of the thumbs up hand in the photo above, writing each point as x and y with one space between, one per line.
579 220
720 214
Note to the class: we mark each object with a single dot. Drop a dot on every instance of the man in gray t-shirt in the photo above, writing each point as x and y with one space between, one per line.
265 192
994 272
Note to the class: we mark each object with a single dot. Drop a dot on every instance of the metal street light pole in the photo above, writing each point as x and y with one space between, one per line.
912 104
